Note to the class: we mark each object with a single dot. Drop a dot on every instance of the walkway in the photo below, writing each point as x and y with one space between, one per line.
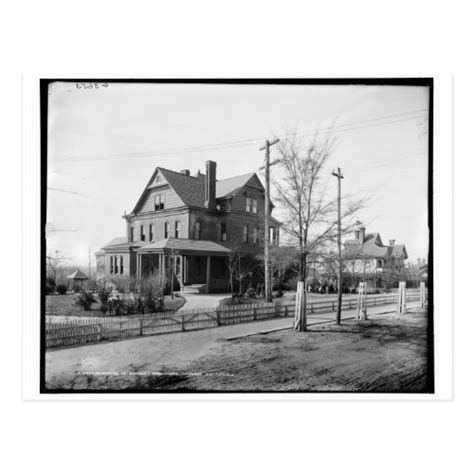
198 301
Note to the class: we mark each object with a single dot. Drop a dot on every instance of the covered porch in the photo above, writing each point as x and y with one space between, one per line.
191 262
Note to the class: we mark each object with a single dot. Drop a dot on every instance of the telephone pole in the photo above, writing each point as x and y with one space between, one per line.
268 277
339 176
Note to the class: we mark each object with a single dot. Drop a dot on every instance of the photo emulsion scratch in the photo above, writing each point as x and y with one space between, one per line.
237 236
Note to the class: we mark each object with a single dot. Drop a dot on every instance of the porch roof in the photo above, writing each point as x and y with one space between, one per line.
185 246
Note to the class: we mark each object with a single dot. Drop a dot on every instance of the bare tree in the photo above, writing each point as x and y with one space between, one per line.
308 216
240 266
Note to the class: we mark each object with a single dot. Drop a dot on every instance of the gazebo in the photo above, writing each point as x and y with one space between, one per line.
77 279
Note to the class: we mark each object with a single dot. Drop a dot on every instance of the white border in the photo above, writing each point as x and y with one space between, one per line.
443 245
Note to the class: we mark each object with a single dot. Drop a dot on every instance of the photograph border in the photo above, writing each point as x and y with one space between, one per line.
422 81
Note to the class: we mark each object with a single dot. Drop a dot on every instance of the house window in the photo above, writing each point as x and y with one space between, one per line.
111 264
251 205
121 265
246 233
223 232
151 232
159 202
198 230
379 263
131 234
176 229
166 230
255 235
115 264
272 235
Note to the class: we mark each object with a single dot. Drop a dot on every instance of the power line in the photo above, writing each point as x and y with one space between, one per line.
67 192
380 121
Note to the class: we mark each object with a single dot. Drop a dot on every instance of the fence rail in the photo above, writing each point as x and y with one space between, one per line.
96 329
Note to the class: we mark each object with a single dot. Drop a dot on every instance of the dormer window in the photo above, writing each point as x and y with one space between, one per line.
251 205
159 202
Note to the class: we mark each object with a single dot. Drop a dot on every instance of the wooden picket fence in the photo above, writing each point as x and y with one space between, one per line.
96 329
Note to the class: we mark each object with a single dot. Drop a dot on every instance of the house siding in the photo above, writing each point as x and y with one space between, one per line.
172 200
158 220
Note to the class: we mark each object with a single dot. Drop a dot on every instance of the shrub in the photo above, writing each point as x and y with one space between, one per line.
251 293
104 294
85 300
278 294
50 285
123 284
61 289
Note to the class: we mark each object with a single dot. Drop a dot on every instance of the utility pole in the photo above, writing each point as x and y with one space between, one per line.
89 263
339 176
268 277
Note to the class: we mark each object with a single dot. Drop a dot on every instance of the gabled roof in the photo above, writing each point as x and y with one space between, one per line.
78 275
191 189
229 187
185 245
372 247
399 251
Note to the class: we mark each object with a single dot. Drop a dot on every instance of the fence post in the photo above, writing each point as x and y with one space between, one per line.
402 297
141 327
99 336
182 323
422 295
218 317
254 314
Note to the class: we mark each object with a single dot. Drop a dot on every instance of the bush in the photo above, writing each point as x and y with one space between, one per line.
85 300
251 292
278 294
104 294
61 289
50 286
123 284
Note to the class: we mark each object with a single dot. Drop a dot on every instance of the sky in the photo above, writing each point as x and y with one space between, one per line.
104 143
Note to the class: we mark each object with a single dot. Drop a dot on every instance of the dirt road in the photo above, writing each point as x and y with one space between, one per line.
386 353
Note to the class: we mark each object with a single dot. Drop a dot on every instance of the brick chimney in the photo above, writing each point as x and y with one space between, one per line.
210 185
185 172
361 234
391 242
356 235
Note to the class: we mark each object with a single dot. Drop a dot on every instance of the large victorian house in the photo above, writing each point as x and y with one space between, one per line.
367 258
191 223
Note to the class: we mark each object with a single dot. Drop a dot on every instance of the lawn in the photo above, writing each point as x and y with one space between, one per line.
64 305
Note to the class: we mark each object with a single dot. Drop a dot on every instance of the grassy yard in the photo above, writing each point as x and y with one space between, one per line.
64 305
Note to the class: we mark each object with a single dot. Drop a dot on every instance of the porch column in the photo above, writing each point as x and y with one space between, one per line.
139 270
162 268
208 273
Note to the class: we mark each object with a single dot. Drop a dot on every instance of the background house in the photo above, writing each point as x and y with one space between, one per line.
189 224
367 259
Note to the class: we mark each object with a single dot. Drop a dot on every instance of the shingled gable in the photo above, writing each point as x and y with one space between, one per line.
373 247
191 189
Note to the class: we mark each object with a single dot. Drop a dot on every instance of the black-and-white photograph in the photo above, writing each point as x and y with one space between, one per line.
237 236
